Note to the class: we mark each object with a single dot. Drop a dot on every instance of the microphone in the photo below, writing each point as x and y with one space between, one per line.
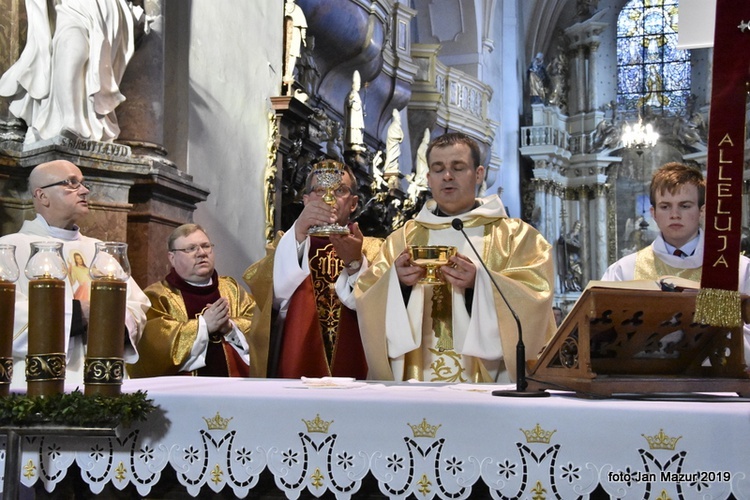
521 383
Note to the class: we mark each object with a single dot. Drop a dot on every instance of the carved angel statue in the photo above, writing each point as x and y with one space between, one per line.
68 75
690 128
378 181
606 136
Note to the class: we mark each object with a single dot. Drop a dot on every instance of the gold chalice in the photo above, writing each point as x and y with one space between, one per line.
329 174
432 258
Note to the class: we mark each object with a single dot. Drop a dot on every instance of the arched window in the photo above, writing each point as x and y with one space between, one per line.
651 70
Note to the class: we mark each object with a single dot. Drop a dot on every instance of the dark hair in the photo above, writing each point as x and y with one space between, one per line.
339 165
452 139
672 176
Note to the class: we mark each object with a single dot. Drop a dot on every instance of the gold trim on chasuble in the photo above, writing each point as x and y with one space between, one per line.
325 268
650 267
446 365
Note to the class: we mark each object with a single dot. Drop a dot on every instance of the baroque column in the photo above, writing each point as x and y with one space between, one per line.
586 247
540 203
600 230
581 78
592 94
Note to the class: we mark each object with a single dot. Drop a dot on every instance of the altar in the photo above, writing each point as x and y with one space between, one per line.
425 440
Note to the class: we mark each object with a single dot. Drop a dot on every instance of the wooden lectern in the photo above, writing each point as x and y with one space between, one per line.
619 340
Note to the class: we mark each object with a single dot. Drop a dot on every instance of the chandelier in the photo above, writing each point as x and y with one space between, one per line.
638 137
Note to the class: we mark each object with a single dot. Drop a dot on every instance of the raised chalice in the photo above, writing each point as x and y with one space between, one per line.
329 175
432 258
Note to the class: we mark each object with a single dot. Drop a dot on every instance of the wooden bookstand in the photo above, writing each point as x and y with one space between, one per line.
640 341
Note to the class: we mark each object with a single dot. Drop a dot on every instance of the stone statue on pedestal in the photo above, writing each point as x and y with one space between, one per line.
295 36
570 266
308 73
418 180
394 137
66 80
378 182
558 74
538 80
355 118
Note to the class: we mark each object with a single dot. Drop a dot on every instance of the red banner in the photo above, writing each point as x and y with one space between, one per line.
718 302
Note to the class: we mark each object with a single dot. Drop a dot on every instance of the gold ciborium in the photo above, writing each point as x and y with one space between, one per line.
432 258
329 175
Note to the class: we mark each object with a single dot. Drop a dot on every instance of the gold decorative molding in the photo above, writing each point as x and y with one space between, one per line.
269 187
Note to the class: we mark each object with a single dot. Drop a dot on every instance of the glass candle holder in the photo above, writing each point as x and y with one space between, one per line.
104 368
45 359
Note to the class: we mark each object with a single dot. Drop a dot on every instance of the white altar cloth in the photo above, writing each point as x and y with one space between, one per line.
432 441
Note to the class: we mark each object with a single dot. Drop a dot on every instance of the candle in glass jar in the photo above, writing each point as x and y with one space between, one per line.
45 361
105 367
7 316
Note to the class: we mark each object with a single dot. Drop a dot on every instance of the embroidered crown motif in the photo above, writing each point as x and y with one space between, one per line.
661 441
217 422
317 424
424 429
538 435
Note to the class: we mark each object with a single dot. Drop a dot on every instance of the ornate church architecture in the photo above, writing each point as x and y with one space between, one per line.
214 112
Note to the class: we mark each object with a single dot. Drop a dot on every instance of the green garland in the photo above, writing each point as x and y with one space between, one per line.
75 409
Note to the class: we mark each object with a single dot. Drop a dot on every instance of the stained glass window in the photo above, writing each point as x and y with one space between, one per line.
651 70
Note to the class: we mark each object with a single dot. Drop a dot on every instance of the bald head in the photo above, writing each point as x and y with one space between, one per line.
58 194
52 171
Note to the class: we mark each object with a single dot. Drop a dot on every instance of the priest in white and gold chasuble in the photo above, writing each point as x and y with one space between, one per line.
443 333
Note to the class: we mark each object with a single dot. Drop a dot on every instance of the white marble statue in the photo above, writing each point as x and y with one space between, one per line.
67 77
378 182
295 26
417 181
420 178
355 118
394 137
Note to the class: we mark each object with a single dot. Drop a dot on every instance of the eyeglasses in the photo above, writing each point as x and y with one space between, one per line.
193 249
340 191
71 184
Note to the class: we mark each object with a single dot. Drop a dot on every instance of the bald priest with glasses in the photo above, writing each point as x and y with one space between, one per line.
60 198
200 323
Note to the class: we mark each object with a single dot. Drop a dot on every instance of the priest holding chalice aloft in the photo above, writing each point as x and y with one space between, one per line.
428 308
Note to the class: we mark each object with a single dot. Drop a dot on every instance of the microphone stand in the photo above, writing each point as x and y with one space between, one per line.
521 384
